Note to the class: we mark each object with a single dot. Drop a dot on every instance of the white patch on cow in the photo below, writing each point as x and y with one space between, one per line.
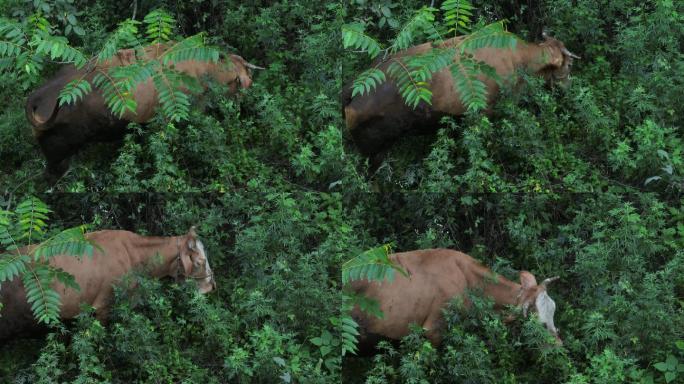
546 308
207 268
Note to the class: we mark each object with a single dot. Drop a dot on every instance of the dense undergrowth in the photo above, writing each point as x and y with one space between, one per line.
554 181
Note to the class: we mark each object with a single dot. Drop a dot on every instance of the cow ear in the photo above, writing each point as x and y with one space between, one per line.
527 280
192 238
245 80
183 267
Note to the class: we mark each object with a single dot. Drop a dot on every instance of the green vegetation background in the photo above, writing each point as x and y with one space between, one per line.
553 182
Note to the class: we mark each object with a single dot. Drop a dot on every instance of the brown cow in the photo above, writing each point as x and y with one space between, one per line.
62 131
435 277
375 120
121 252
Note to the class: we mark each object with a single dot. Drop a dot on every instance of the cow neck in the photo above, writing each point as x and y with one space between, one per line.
504 291
532 56
146 248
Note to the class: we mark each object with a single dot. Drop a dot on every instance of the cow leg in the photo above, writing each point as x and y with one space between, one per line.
433 325
57 150
54 171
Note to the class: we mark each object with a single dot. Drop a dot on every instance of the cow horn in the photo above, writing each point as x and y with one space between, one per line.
252 66
546 282
568 53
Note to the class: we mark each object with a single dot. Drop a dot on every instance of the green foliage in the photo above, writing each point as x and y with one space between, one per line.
25 46
457 16
550 181
328 346
27 225
125 35
353 36
473 91
367 81
671 368
159 26
348 335
372 265
74 90
421 24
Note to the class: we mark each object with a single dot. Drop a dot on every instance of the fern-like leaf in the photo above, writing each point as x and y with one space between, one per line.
12 38
372 265
175 104
422 23
354 36
65 278
159 26
349 332
117 87
472 90
31 215
74 91
493 35
12 265
125 35
191 48
414 73
457 16
71 242
43 299
58 48
6 238
367 81
412 89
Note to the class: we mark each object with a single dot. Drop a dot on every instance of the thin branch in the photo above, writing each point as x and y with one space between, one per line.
114 83
408 72
135 9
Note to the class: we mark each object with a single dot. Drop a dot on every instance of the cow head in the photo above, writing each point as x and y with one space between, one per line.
192 263
557 61
533 297
242 71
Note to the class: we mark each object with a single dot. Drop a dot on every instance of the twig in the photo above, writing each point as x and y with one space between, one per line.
135 9
11 194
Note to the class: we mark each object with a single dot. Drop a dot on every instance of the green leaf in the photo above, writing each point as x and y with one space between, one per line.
325 350
457 16
671 362
190 48
472 90
159 26
662 367
74 91
124 36
367 81
420 24
492 35
372 265
669 376
353 36
12 266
